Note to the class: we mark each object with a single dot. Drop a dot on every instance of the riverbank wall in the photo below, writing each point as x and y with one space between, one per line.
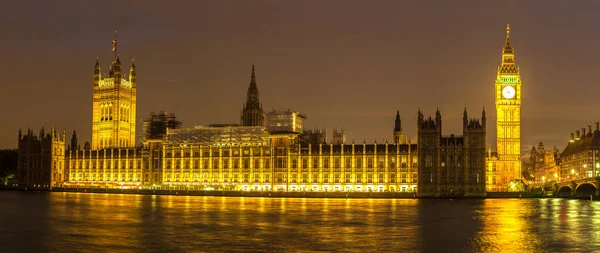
280 194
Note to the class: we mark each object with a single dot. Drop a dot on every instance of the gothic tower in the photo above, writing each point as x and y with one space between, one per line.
508 111
252 113
114 106
398 134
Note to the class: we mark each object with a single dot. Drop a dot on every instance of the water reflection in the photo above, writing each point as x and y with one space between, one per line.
132 223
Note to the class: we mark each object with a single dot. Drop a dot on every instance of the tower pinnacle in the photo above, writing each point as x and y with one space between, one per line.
253 77
507 46
398 134
252 113
397 122
508 56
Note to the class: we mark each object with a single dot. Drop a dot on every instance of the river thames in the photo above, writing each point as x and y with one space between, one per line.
84 222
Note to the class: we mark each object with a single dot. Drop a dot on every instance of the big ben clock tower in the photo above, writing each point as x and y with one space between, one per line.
508 121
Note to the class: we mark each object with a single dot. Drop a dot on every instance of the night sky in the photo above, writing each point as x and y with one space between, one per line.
342 63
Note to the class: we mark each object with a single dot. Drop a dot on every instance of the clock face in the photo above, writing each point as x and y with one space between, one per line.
508 92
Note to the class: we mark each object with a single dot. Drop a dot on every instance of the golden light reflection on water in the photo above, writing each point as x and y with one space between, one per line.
134 223
507 230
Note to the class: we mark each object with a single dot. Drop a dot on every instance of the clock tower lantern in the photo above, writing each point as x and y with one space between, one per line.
508 121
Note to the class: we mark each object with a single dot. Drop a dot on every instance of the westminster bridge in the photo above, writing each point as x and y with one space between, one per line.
582 187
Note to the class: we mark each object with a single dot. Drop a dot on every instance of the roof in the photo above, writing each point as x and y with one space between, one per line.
219 135
360 148
590 141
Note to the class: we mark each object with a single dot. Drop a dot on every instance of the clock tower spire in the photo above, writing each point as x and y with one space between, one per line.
508 123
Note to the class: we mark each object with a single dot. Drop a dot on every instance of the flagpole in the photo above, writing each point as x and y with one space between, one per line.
115 45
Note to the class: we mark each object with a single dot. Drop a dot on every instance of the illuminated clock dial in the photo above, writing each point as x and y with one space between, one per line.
508 92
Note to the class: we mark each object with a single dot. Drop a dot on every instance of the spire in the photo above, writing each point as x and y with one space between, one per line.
508 56
97 72
252 113
483 118
74 141
397 123
438 120
507 46
132 75
465 118
253 78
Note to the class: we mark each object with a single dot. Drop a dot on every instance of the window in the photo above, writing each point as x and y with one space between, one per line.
428 161
236 163
246 162
256 163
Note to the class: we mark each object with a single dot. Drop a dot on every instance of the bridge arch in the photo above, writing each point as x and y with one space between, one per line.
585 189
564 191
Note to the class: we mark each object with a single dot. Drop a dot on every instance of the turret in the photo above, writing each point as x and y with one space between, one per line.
74 141
117 71
438 120
465 119
97 73
419 117
398 135
483 118
397 122
132 75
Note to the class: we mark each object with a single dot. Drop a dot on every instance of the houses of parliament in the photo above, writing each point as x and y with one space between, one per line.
272 150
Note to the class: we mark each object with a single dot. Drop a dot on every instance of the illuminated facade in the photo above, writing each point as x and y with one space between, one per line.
285 121
451 164
278 155
269 152
250 158
581 157
507 166
543 164
114 107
